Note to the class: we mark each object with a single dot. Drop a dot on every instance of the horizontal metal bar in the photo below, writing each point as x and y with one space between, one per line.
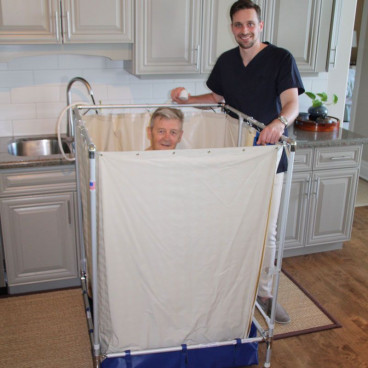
189 347
146 106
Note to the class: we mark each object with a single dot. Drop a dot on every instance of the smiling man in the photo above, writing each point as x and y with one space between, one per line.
165 129
261 80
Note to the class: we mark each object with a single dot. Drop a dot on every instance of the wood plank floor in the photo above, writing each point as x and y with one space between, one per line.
339 281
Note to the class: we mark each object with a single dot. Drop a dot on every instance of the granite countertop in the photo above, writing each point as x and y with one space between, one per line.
8 161
304 139
341 137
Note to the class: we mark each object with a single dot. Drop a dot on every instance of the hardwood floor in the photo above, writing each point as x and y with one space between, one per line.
339 282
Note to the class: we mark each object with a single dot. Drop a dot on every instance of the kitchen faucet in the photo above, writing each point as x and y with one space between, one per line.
70 128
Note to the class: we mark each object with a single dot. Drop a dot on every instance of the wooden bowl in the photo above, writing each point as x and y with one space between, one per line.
328 124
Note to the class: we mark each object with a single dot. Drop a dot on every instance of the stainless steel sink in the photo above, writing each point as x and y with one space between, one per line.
38 146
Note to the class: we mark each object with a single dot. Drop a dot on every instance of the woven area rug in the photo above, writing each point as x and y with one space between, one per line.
44 330
50 330
306 314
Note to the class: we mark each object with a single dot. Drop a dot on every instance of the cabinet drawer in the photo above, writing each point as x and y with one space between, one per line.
25 181
303 159
337 157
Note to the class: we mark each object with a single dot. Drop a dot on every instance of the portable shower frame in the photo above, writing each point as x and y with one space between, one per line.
266 335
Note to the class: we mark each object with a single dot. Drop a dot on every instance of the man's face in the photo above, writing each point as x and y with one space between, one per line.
165 133
246 28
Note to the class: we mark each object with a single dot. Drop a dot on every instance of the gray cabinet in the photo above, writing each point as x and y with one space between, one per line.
322 199
65 21
38 225
304 28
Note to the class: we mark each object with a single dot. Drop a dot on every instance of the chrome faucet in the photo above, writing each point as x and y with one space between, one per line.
70 128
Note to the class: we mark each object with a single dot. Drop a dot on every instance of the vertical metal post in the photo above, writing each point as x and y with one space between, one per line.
240 131
280 251
92 190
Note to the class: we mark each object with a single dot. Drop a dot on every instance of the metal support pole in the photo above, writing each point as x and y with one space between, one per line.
92 190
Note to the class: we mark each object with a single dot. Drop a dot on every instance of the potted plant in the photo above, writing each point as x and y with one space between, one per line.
319 102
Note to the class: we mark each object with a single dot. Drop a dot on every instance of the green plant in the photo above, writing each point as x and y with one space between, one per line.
320 99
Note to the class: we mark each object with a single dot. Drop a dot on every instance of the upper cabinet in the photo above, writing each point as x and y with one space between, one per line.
65 21
180 36
303 27
196 32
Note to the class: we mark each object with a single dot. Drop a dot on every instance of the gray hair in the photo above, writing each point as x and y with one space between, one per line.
167 113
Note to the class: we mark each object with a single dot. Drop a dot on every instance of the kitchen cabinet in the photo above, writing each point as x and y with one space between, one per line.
322 199
186 42
304 28
65 21
38 225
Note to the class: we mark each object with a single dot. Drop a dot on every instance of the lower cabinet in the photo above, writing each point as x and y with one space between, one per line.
322 199
39 230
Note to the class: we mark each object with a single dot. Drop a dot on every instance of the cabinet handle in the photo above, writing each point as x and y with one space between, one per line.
57 31
197 50
336 158
316 187
68 24
69 214
308 187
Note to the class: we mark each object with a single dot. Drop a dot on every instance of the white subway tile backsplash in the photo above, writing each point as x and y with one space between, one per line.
33 89
13 79
17 111
4 95
55 76
81 62
34 63
114 77
6 128
119 93
49 110
43 93
35 127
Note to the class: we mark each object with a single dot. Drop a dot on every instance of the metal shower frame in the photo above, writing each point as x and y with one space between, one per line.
266 335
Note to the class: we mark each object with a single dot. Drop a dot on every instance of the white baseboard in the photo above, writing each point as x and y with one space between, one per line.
364 170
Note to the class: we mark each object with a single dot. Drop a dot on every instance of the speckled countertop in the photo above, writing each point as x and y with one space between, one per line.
341 137
304 139
8 161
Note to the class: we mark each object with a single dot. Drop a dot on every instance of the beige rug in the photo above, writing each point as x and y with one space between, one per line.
44 330
306 314
49 330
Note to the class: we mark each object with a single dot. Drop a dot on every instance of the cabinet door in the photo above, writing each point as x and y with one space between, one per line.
96 21
29 21
167 37
303 28
217 34
332 206
39 239
297 211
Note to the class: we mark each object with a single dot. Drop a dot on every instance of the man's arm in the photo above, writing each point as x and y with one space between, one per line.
289 109
208 98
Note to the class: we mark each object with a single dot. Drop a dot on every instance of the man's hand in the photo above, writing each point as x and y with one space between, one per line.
271 133
175 95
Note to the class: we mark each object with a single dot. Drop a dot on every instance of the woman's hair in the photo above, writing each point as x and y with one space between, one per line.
244 4
167 113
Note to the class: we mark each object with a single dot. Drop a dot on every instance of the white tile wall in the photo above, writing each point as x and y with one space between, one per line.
33 89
